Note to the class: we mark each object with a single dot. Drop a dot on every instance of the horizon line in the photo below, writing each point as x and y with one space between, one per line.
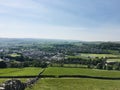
60 39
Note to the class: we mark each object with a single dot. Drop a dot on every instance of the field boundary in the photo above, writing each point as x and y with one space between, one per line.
34 80
62 76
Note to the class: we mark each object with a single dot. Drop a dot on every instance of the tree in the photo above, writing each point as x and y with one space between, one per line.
16 65
3 64
109 67
26 64
116 66
44 65
99 66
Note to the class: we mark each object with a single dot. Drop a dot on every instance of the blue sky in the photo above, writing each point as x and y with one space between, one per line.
86 20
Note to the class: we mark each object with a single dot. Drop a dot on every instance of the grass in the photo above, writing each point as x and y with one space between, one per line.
70 65
76 84
20 71
98 55
15 55
75 65
2 80
81 71
113 60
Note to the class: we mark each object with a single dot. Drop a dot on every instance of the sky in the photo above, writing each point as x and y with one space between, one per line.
86 20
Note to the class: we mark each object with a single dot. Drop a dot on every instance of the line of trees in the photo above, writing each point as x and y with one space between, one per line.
97 63
15 64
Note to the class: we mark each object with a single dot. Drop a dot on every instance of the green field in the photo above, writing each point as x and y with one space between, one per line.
70 65
113 60
20 71
81 71
98 55
14 55
66 83
2 80
76 84
75 65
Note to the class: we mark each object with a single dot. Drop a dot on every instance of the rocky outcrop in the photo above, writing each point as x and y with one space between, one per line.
13 85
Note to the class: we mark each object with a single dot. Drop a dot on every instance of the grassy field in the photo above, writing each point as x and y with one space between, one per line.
113 60
2 80
76 84
98 55
81 71
75 65
70 65
14 55
20 71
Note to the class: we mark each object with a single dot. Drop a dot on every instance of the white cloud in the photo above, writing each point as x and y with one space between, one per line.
23 18
22 4
28 30
22 8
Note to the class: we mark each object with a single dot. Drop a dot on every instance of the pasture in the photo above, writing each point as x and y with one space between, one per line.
70 65
75 65
98 55
113 60
2 80
81 71
14 55
29 71
76 84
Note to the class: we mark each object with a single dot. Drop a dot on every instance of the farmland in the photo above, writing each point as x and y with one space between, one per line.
69 65
4 79
56 71
98 55
76 84
67 83
81 71
113 60
14 55
20 71
75 65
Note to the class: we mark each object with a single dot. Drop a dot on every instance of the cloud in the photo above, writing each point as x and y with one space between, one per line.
28 30
21 4
63 19
22 8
